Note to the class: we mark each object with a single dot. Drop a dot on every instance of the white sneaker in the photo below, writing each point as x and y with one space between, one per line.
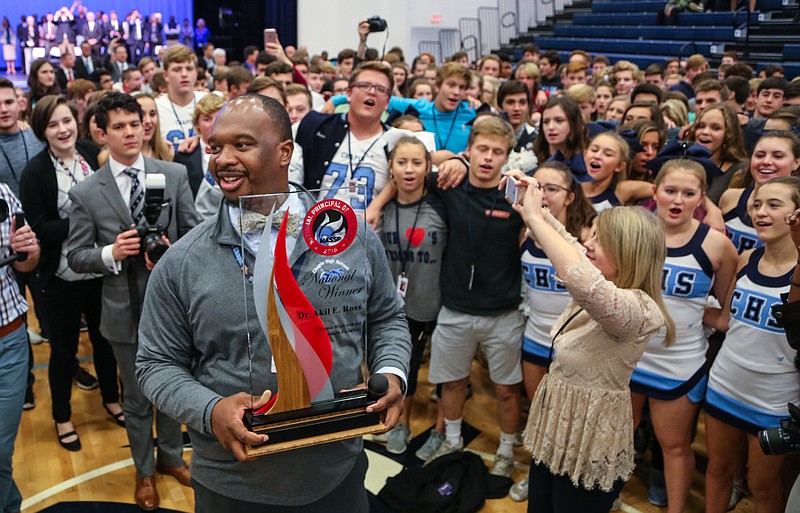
382 437
445 449
503 466
519 492
398 439
430 446
34 337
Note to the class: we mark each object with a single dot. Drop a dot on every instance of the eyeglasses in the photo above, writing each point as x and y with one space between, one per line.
366 87
551 188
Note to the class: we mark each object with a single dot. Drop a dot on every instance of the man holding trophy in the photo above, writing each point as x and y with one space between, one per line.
206 358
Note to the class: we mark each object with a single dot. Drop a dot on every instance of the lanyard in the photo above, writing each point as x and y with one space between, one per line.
237 254
8 160
471 238
449 132
178 119
78 158
397 227
350 152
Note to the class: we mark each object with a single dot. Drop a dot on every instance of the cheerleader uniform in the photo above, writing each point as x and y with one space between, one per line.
546 297
667 373
754 377
606 199
740 226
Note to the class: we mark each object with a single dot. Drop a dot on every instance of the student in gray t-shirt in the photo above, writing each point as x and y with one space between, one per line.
414 236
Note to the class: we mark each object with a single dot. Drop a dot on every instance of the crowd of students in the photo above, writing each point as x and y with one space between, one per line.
709 153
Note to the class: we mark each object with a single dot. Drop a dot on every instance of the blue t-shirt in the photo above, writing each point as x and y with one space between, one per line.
451 129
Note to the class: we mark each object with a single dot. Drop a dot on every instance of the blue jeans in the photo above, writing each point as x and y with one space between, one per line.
13 371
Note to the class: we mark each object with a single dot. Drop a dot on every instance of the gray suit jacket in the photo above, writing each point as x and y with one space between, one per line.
99 214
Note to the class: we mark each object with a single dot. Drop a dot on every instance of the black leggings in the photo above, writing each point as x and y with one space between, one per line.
556 494
420 331
63 302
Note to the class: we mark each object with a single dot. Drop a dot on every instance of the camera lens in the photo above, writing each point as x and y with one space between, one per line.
774 441
154 246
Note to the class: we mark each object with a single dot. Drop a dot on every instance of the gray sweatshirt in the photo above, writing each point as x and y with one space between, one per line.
15 151
193 352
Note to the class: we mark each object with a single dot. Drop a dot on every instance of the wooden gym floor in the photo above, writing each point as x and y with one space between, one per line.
103 471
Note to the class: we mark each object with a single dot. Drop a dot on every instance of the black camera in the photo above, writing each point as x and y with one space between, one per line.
377 24
150 231
152 244
784 439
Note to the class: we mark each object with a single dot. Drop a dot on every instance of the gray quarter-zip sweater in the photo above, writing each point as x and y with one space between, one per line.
193 351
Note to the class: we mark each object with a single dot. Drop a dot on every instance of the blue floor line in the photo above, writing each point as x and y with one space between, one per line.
44 365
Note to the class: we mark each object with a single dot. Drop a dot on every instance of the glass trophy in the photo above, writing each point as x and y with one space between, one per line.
306 318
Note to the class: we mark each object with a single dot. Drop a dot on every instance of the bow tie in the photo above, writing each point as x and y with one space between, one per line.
251 222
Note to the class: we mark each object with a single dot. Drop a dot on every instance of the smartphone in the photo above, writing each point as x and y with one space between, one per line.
270 36
511 190
19 221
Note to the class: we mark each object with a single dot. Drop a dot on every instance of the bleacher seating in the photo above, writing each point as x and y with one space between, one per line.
617 6
791 52
607 45
720 34
630 30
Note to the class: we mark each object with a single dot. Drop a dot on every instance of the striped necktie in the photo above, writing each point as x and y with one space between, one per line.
137 195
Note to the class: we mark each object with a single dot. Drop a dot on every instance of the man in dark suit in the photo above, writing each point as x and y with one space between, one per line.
65 25
22 35
86 63
66 72
136 36
28 41
92 32
119 63
47 34
154 35
105 207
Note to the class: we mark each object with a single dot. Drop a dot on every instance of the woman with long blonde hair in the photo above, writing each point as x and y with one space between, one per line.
154 146
614 280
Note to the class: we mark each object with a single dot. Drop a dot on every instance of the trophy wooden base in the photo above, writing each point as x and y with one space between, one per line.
340 419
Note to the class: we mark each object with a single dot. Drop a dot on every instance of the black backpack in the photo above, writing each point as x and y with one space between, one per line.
455 483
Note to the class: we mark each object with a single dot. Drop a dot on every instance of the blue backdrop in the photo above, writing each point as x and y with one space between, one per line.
180 8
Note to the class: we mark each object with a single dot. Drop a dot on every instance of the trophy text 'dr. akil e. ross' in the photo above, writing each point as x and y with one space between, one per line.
303 357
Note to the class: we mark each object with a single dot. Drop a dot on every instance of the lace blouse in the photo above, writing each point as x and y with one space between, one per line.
580 422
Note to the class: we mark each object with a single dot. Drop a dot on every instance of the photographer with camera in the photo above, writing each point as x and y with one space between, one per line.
366 27
112 211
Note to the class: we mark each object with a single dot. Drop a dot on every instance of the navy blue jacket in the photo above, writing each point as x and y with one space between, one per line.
320 136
